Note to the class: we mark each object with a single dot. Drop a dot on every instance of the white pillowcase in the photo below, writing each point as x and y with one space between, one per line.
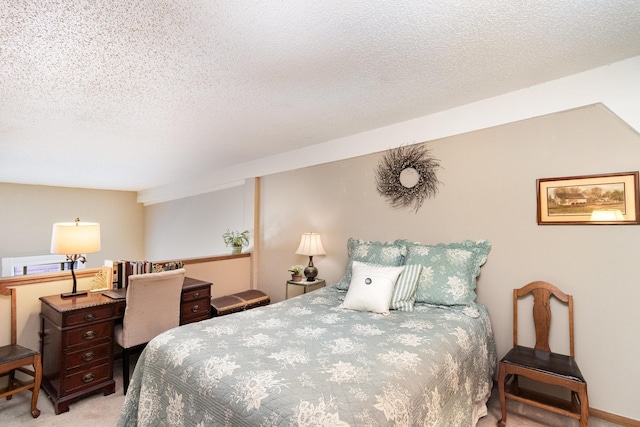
371 287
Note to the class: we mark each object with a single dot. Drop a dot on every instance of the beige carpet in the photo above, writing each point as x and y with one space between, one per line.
102 411
95 411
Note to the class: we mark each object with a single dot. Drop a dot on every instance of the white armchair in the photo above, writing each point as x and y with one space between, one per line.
153 306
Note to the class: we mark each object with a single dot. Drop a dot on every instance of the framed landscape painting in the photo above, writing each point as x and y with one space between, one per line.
590 199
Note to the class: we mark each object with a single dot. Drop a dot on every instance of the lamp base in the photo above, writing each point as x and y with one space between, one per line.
311 273
73 294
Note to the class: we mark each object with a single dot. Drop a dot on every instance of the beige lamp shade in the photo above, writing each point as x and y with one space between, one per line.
310 245
69 238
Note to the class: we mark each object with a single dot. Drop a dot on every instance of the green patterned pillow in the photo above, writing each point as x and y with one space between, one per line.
449 271
404 294
386 254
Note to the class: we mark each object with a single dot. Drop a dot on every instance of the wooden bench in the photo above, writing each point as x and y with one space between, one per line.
240 301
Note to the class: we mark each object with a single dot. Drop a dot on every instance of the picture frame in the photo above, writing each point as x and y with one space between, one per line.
608 199
102 280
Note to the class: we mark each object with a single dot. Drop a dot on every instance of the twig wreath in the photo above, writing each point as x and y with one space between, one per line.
406 176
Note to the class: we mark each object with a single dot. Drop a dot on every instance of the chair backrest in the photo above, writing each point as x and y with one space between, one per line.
153 305
542 292
14 330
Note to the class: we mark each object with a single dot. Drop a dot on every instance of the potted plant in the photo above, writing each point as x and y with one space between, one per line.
236 240
296 272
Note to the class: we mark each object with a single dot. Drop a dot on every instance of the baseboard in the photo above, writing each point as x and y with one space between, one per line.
613 418
605 416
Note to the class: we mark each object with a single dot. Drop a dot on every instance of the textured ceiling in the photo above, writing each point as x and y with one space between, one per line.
136 94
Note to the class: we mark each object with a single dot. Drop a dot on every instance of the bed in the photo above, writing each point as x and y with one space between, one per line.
313 360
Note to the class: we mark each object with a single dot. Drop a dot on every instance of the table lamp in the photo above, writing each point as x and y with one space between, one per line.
310 245
74 239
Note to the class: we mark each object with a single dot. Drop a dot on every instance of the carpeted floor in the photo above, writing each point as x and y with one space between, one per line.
103 411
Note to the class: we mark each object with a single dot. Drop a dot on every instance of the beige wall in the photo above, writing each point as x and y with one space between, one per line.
488 191
29 211
228 276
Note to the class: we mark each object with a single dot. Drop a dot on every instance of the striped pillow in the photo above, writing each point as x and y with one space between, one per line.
404 294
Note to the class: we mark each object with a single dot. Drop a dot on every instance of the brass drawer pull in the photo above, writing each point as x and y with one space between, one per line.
196 295
89 335
88 356
89 317
195 308
88 378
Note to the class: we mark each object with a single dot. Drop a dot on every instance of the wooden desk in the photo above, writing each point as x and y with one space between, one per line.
77 340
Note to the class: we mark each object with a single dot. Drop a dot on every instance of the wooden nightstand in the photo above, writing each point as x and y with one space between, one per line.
318 283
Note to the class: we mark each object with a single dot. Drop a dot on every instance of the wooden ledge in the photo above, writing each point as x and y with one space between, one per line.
90 272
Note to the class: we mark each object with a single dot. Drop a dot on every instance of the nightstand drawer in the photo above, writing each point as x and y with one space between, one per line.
88 334
86 378
88 356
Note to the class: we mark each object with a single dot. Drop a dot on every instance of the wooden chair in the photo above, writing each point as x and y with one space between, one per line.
540 364
14 357
153 306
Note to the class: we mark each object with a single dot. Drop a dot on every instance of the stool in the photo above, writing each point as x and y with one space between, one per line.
240 301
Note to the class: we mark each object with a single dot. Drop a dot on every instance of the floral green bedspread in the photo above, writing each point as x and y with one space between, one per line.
306 362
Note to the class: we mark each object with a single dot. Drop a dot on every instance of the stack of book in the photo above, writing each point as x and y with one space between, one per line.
121 270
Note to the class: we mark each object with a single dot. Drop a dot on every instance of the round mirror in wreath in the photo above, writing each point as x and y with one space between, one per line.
406 176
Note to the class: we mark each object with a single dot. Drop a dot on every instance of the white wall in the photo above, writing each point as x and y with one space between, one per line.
193 226
488 191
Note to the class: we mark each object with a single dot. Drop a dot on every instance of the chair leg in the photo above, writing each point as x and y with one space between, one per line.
37 377
502 376
125 369
584 406
11 382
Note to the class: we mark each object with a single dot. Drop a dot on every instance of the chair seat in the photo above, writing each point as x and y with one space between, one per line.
10 353
550 363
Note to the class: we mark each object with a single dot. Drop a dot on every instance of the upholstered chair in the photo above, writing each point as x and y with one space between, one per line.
153 307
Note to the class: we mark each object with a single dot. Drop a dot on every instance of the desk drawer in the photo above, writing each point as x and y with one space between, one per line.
88 334
202 292
86 378
88 356
91 314
199 310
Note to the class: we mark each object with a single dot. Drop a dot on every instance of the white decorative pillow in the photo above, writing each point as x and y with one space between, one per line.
371 287
404 294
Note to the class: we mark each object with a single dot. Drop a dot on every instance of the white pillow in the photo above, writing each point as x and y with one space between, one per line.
371 287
